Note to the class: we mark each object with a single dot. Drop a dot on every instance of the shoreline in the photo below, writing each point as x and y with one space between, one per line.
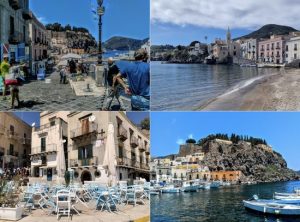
279 91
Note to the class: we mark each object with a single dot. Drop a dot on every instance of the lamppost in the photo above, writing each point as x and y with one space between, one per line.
100 12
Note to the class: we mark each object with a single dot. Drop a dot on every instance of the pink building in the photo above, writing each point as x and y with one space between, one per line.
272 50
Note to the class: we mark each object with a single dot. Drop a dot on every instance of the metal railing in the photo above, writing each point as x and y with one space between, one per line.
48 148
122 133
84 162
92 128
134 142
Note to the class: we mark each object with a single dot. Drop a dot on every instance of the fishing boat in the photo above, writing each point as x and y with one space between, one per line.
272 207
170 189
291 197
190 186
215 184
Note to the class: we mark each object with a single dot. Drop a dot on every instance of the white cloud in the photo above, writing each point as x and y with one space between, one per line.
249 14
42 20
180 141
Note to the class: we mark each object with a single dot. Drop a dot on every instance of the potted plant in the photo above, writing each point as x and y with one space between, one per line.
9 199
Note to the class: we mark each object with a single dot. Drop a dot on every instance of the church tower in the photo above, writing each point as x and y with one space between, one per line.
228 36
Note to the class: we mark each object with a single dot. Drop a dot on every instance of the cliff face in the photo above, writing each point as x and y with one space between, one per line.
257 163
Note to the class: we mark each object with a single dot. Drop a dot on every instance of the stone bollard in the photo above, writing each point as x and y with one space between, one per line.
99 75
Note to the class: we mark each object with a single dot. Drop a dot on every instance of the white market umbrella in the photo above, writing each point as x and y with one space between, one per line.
71 56
63 63
61 164
110 155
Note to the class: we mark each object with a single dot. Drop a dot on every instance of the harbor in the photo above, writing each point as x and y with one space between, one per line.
223 204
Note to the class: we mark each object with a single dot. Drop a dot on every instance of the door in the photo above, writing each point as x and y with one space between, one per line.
49 174
85 126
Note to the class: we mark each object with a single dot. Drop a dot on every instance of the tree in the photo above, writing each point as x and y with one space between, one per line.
190 141
145 123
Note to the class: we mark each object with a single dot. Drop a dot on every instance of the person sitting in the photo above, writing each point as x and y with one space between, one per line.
112 91
138 76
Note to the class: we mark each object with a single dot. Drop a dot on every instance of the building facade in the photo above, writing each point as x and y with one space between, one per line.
292 49
228 176
48 141
87 147
14 29
15 141
272 50
249 49
39 44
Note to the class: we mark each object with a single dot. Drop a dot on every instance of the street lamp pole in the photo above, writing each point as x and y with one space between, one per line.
100 12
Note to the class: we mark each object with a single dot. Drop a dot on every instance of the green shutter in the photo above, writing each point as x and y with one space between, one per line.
80 151
90 151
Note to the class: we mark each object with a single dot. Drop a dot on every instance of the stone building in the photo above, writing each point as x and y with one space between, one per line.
39 44
48 141
189 149
14 29
15 141
249 49
87 147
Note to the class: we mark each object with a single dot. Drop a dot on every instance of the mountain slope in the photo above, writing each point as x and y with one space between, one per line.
255 162
267 30
123 43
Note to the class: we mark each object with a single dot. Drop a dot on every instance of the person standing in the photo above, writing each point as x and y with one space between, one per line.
138 76
112 92
4 69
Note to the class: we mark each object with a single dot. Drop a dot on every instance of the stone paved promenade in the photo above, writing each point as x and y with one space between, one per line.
42 96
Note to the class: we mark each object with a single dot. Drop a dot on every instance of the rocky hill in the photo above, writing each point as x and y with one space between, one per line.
267 30
123 43
257 162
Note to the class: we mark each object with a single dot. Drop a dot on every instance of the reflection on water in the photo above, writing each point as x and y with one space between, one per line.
187 86
224 204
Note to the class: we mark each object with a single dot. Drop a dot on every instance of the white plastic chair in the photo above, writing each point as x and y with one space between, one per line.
63 203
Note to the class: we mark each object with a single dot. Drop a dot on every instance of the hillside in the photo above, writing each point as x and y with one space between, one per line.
123 43
256 163
267 30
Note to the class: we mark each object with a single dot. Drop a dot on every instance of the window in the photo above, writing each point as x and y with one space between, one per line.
85 152
12 130
52 121
11 149
120 152
25 136
121 176
295 56
12 26
43 144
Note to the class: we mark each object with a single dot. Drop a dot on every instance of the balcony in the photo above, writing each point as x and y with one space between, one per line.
14 154
14 39
15 4
26 14
277 47
82 132
295 49
277 56
89 162
50 148
12 135
134 142
25 141
142 147
122 133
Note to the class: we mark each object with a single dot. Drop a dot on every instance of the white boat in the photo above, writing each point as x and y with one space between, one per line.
215 184
205 185
272 207
190 186
270 65
170 189
225 183
291 197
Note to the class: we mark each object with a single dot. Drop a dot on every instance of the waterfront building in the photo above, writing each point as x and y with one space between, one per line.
196 48
229 176
88 153
272 50
292 49
48 141
15 141
249 49
14 29
198 173
39 44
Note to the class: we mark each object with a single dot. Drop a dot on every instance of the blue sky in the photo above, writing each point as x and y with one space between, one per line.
280 129
137 117
128 18
29 117
181 22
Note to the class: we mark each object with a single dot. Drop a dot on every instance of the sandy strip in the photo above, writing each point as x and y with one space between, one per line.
279 92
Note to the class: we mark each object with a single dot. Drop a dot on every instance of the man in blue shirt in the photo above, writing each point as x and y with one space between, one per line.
138 75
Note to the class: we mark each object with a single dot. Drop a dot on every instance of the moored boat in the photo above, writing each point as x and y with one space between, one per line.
170 189
272 207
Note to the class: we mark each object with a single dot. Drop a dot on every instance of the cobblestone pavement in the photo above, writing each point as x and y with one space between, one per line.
41 96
